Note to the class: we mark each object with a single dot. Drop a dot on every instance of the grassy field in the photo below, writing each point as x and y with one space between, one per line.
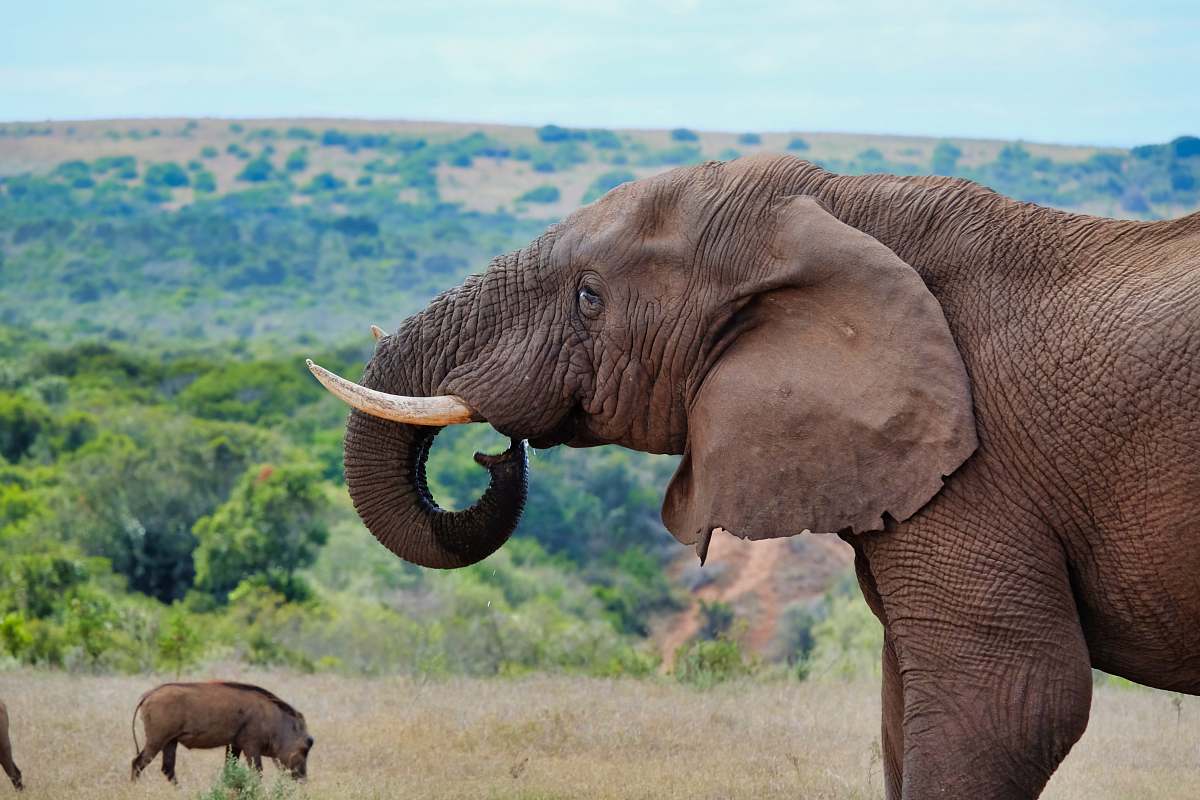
549 737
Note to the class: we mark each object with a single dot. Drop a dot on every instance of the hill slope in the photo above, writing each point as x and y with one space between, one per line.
226 249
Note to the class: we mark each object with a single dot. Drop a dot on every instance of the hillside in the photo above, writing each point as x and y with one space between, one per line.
161 281
216 230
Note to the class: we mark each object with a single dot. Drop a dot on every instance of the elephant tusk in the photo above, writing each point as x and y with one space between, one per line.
377 332
436 411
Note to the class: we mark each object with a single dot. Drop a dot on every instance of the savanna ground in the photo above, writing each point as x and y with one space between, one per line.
560 737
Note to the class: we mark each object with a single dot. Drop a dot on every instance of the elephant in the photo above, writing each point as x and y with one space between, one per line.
996 404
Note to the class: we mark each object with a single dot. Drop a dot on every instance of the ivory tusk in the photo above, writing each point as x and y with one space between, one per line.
439 411
377 332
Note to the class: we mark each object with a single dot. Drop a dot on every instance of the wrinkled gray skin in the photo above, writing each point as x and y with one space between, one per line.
6 757
806 374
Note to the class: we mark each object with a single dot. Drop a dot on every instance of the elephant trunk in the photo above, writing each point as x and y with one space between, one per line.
385 464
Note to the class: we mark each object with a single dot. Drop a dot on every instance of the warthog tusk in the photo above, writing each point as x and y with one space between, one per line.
377 332
442 410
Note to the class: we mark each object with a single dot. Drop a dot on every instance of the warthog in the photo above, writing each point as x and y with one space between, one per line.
237 716
6 759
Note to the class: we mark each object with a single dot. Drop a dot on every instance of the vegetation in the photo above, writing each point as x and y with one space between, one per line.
564 737
170 476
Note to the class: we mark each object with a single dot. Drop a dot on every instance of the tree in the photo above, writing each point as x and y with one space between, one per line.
257 170
297 160
553 133
540 194
797 144
945 158
271 526
684 135
179 642
166 174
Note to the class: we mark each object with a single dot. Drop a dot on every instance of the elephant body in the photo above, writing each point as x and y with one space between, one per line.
237 716
997 405
6 757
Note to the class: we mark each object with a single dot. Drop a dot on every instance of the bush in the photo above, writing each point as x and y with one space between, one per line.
257 170
684 135
848 640
238 781
606 183
1185 147
945 158
749 138
297 160
179 642
553 133
704 664
797 144
208 151
323 182
204 181
166 174
716 619
540 194
604 139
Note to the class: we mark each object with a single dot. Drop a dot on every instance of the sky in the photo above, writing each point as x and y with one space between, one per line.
1088 72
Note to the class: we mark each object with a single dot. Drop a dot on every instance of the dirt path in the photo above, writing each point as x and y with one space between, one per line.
758 569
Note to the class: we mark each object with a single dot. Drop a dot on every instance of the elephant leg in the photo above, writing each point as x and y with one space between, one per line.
257 761
992 663
892 695
168 761
892 737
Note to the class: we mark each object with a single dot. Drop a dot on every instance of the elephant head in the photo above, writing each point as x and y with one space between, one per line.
803 370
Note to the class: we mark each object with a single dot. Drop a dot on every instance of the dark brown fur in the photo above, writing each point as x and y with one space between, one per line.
6 758
237 716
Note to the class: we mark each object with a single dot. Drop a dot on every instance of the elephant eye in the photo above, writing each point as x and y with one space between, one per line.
589 302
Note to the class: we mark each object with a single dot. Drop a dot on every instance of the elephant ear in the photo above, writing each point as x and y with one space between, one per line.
842 399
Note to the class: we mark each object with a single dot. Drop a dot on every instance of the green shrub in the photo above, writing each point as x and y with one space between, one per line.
797 144
749 138
167 174
323 182
945 158
239 781
848 640
684 135
553 133
606 183
204 181
180 643
540 194
297 160
257 170
705 663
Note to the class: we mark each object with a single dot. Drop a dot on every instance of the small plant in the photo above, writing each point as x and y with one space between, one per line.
704 664
238 781
179 642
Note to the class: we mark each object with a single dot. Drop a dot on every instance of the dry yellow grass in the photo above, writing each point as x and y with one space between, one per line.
552 737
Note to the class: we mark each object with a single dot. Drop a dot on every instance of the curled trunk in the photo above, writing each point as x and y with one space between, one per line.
385 471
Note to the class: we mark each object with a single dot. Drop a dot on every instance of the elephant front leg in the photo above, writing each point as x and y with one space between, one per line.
892 737
985 667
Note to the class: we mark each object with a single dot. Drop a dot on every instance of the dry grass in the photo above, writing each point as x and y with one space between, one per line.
547 737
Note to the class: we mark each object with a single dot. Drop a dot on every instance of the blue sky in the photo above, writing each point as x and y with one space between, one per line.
1087 72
